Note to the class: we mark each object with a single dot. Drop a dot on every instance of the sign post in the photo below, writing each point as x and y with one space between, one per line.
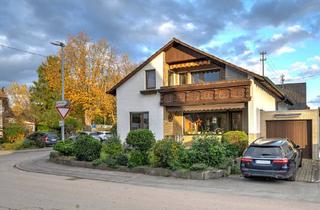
63 109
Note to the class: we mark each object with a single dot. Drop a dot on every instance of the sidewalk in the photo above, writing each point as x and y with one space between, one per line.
230 185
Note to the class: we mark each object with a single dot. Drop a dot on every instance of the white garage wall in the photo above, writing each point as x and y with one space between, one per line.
261 100
129 99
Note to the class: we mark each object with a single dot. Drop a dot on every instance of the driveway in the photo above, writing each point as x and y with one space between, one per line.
75 189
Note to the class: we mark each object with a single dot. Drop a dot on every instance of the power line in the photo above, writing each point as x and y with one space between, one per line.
21 50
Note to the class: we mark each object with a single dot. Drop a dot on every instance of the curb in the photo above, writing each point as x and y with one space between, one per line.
29 150
163 172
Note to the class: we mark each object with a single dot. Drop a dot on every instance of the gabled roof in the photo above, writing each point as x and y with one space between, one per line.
264 80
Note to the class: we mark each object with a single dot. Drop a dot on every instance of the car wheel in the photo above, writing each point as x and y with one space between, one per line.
247 177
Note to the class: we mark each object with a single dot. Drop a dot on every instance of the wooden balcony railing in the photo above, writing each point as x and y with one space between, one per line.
196 94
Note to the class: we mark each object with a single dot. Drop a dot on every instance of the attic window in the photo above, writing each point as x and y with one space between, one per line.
150 79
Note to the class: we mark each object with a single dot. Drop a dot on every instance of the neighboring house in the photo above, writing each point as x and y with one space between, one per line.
181 91
297 92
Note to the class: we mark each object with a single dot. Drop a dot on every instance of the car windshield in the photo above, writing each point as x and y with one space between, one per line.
52 135
264 152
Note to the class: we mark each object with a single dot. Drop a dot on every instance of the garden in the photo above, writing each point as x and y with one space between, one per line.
142 153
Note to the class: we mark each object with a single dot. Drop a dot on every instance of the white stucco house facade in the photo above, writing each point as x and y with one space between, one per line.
181 91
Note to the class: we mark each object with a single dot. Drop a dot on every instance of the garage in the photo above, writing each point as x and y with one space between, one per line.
299 131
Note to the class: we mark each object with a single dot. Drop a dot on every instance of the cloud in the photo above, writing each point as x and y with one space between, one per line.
278 42
316 58
167 28
315 100
140 27
284 49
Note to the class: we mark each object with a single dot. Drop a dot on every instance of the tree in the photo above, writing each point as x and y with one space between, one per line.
90 69
43 98
19 101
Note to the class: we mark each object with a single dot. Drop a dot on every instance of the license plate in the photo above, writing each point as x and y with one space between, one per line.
53 139
263 162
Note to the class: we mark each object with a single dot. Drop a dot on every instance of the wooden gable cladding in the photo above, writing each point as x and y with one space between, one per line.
179 53
218 92
191 64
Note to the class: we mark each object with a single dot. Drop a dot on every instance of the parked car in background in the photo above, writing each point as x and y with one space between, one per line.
104 135
49 138
97 135
277 158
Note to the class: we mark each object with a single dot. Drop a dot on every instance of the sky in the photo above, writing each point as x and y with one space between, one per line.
236 31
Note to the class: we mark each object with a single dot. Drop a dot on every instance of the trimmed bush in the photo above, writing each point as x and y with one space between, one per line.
122 159
141 139
65 147
14 132
87 148
167 153
111 149
237 140
137 158
207 150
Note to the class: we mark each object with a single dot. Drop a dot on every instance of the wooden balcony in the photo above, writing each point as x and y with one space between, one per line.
233 91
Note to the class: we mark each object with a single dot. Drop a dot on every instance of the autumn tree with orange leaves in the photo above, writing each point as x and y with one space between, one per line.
91 68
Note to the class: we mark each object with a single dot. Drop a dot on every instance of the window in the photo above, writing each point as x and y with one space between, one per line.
197 123
205 76
150 79
236 121
139 120
170 78
183 78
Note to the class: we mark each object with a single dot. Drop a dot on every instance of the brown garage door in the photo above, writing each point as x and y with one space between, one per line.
299 131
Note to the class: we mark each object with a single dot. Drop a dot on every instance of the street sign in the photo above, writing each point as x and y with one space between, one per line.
61 123
63 111
63 103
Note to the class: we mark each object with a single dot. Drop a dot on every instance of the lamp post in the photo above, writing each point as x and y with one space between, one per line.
62 45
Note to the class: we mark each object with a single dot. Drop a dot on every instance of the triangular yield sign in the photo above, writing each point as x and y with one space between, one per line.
63 111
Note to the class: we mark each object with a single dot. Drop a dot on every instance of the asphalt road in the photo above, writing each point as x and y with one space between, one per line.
28 191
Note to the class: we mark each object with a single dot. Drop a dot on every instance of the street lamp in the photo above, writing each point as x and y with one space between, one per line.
62 45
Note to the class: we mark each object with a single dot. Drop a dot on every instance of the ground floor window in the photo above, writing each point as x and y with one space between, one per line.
139 120
197 123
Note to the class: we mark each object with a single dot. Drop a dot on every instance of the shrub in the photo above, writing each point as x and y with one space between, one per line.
14 132
37 143
97 162
1 140
114 138
137 158
65 147
198 167
207 150
111 149
122 159
238 140
87 148
12 146
167 153
141 139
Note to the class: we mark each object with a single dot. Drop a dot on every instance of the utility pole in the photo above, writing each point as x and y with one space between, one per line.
62 45
263 59
282 80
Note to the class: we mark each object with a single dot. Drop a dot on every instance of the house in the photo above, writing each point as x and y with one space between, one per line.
181 91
